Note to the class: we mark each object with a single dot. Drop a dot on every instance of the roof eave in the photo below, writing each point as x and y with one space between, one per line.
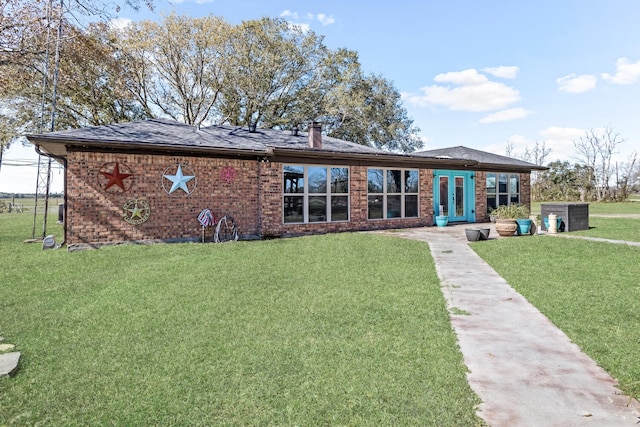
499 167
369 158
61 147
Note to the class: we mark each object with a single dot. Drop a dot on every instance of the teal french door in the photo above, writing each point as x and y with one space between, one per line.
454 195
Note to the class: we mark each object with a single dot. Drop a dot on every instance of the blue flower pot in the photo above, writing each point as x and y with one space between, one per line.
546 223
442 220
524 226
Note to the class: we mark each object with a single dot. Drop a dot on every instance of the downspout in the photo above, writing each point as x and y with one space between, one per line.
259 161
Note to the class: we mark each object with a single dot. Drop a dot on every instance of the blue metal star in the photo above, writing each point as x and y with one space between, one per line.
179 180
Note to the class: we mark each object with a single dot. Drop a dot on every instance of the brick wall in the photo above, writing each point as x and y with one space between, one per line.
254 198
525 189
95 214
481 197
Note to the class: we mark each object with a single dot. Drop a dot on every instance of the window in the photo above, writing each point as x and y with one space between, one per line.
502 189
315 194
392 193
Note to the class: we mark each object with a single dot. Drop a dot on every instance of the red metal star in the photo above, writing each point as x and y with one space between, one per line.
115 177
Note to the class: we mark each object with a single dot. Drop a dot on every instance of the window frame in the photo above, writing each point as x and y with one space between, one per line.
386 194
512 197
329 195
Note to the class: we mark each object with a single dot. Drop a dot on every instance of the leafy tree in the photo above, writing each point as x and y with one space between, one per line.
90 89
370 112
274 74
177 68
563 181
261 73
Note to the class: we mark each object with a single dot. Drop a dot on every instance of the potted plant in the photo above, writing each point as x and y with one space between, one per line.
507 216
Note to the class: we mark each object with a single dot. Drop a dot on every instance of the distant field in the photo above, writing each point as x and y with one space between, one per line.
27 204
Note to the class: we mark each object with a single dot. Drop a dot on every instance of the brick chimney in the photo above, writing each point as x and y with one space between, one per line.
315 135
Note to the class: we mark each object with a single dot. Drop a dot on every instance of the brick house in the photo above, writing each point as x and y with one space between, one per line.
149 181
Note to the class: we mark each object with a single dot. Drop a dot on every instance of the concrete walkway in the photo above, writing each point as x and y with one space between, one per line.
524 369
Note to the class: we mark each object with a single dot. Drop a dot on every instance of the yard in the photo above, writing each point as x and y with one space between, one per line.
347 329
590 290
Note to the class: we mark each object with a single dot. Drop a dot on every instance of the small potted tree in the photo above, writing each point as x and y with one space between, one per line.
507 217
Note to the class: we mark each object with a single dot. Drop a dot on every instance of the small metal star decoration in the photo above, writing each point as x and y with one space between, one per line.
136 211
179 181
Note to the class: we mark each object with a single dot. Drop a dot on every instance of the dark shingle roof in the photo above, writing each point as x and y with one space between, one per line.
158 135
168 134
487 160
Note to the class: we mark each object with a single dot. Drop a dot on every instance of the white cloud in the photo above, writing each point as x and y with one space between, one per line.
119 23
504 72
506 115
294 18
472 92
466 77
325 20
626 73
573 83
560 140
288 14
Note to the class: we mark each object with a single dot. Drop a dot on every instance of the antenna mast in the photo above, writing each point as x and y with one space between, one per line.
44 166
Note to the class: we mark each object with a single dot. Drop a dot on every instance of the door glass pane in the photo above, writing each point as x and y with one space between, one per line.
394 183
317 208
459 180
375 207
444 195
317 179
375 180
394 204
339 208
293 179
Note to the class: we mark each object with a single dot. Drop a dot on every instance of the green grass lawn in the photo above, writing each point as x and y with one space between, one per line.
627 229
346 329
590 290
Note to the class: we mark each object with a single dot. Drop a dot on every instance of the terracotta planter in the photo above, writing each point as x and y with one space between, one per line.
506 227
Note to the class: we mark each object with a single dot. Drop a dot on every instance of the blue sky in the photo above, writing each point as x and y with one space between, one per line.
482 74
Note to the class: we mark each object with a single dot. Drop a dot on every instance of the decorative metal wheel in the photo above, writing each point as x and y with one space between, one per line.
226 230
